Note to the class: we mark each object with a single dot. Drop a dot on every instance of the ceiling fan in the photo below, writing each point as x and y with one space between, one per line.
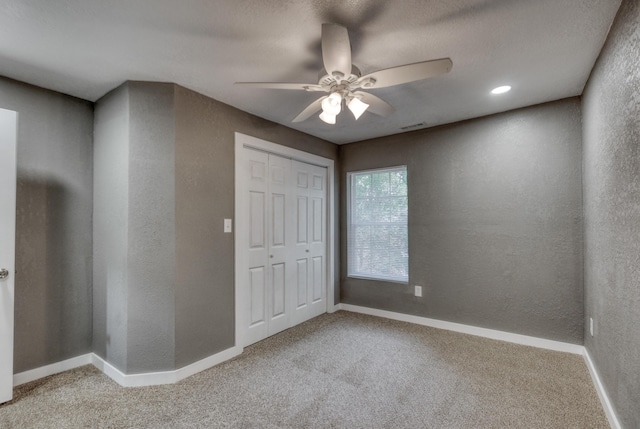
342 80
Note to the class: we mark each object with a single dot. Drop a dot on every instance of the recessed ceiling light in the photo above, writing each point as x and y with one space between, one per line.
501 89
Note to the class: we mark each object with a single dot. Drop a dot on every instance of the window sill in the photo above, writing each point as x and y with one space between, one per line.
379 279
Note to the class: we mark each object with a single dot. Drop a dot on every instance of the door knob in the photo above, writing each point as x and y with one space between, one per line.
4 273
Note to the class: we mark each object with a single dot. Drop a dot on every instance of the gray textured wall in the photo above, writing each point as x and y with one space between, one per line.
164 270
53 225
110 226
205 142
495 222
151 260
134 228
611 108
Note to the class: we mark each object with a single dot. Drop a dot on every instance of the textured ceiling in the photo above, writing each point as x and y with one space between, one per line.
544 49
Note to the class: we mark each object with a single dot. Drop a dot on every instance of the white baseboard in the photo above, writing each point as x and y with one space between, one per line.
126 380
54 368
163 377
602 393
208 362
471 330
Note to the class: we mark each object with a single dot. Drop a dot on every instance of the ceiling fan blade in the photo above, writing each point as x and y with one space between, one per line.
278 85
336 49
376 104
310 110
407 73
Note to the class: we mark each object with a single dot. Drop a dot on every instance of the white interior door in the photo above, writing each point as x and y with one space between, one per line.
281 244
251 236
309 184
279 234
317 224
264 229
8 125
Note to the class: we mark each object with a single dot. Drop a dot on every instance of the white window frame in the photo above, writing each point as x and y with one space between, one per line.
368 276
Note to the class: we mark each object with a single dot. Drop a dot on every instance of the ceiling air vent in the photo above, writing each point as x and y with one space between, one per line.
413 127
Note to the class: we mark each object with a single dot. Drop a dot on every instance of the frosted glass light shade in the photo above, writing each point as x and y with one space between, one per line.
357 107
328 118
332 104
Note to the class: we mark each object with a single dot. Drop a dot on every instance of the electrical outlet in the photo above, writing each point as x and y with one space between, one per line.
418 290
591 326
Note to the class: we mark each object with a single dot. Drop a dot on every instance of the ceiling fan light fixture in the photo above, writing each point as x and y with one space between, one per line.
328 118
332 104
501 90
357 107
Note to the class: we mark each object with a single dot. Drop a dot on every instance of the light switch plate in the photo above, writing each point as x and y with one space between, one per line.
227 225
418 290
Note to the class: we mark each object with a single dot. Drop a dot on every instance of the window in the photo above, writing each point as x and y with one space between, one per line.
377 227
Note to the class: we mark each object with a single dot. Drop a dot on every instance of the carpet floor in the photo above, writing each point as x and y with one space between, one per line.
341 370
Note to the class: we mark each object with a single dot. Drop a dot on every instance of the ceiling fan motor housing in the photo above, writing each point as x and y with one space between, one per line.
328 80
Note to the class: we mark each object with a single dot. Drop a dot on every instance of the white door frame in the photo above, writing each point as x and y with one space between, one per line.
242 141
8 143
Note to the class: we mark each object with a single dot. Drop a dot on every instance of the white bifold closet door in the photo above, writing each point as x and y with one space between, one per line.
310 244
284 273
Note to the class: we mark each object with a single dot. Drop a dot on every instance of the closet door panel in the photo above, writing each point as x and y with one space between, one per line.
302 277
301 252
318 240
254 276
280 237
257 289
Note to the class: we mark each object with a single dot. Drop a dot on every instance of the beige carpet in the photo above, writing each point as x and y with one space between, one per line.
340 370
